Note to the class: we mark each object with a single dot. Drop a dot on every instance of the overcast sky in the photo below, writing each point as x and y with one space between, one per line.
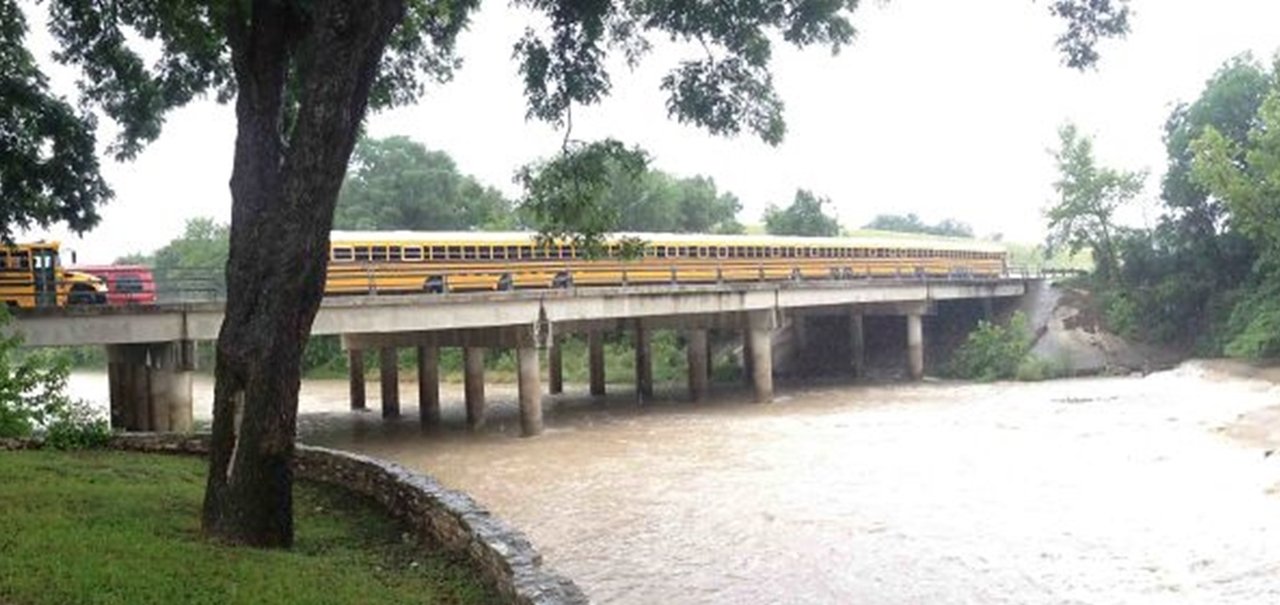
942 108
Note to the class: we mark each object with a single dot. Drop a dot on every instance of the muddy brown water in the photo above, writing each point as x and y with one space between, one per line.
1154 489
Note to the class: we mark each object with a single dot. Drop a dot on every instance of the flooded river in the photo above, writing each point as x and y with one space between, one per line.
1154 489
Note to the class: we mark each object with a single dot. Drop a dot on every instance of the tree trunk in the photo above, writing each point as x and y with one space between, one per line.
283 197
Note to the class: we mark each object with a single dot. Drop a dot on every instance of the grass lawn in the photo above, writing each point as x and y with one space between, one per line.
115 527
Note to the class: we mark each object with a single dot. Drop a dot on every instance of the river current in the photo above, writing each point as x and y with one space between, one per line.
1155 489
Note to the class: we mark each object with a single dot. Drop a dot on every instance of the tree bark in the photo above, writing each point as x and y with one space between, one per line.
303 78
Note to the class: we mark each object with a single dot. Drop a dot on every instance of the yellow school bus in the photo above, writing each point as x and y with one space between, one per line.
407 261
32 276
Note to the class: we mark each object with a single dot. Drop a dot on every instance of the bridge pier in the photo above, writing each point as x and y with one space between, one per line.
150 386
473 387
389 372
696 351
857 344
760 335
355 376
595 361
530 391
915 346
428 385
555 368
644 363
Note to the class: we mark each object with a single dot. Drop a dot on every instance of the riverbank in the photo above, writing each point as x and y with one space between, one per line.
116 527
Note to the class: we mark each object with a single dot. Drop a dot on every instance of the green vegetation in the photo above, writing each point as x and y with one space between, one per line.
115 527
910 223
1001 352
33 399
1207 278
805 216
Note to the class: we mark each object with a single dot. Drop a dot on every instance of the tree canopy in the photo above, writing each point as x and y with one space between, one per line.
396 183
910 223
805 216
1088 197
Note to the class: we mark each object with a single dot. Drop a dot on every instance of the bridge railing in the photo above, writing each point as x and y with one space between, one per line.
186 284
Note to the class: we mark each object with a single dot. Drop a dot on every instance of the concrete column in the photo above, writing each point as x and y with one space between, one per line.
554 368
428 386
390 381
595 361
748 372
121 363
139 385
760 335
161 387
987 308
644 363
857 345
121 413
473 378
181 412
530 391
696 350
355 374
915 346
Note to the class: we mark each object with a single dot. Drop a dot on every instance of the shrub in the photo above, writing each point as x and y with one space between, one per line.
992 351
1253 330
33 398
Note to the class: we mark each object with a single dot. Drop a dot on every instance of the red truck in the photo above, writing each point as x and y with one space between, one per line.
126 284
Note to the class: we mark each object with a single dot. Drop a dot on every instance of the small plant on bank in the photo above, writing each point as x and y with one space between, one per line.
34 401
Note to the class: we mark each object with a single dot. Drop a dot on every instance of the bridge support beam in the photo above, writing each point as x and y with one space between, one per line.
473 385
915 346
595 361
389 371
857 345
696 351
530 391
555 369
760 335
429 386
644 363
355 375
150 386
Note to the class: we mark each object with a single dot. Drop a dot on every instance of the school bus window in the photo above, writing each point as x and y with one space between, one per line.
393 252
342 253
362 253
412 253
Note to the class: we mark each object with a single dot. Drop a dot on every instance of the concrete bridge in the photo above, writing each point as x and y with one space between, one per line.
150 352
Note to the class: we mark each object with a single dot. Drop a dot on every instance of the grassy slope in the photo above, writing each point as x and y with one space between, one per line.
111 527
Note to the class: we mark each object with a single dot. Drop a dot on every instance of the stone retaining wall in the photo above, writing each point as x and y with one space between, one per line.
441 518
